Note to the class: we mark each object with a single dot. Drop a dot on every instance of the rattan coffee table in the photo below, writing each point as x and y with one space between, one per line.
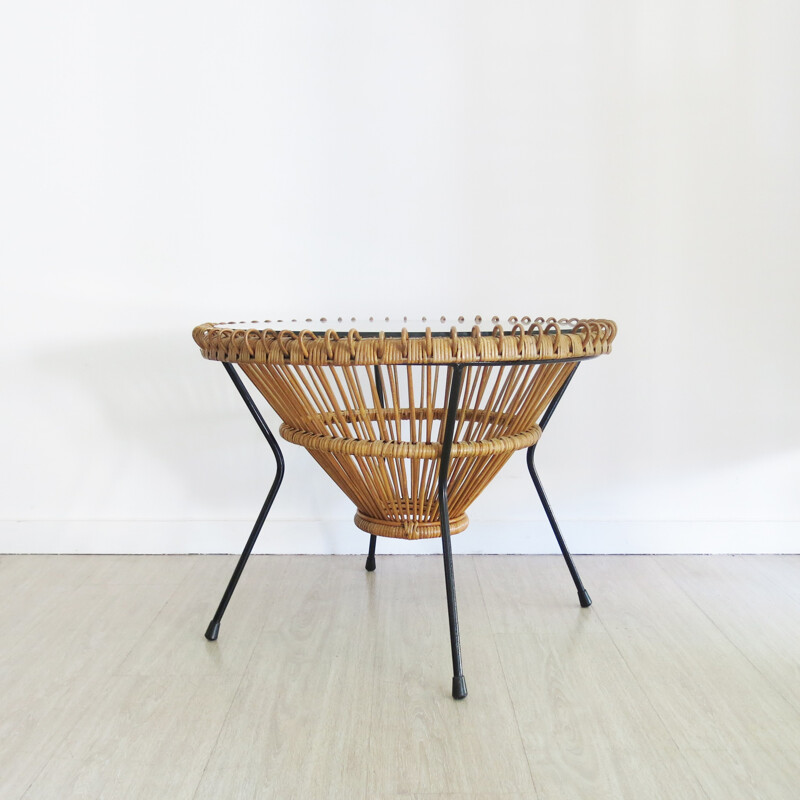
411 419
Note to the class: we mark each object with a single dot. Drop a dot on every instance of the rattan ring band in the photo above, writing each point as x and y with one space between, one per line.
376 449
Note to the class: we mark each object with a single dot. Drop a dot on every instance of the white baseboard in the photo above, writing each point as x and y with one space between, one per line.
342 537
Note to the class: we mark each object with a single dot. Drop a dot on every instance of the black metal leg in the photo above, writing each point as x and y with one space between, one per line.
213 628
370 565
459 683
583 595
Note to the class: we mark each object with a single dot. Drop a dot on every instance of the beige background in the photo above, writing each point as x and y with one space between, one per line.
170 163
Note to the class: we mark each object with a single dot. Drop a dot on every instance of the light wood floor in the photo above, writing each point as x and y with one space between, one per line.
681 681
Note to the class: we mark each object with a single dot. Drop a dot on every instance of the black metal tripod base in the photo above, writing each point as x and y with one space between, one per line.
213 630
459 687
583 595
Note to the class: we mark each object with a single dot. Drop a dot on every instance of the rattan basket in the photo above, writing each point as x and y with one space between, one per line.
369 405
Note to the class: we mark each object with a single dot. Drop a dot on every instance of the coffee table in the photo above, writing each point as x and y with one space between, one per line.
412 419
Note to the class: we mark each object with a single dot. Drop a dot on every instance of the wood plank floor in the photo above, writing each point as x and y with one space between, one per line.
681 681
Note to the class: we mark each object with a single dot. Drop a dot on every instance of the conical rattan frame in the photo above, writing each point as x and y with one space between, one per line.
371 409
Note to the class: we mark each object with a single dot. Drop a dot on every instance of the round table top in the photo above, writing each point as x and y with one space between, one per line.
439 339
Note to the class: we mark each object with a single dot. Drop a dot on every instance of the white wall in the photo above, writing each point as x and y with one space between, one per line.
169 163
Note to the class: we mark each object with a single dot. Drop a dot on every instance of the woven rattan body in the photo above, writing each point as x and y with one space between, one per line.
369 407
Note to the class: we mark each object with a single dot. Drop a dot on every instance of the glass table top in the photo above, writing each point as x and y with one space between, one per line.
439 323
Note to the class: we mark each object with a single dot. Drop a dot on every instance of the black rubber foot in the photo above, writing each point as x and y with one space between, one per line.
370 565
212 631
583 597
459 687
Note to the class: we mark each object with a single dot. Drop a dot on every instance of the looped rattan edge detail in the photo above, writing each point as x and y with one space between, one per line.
408 529
366 448
543 340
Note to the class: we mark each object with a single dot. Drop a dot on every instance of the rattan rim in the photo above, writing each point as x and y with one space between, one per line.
544 339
